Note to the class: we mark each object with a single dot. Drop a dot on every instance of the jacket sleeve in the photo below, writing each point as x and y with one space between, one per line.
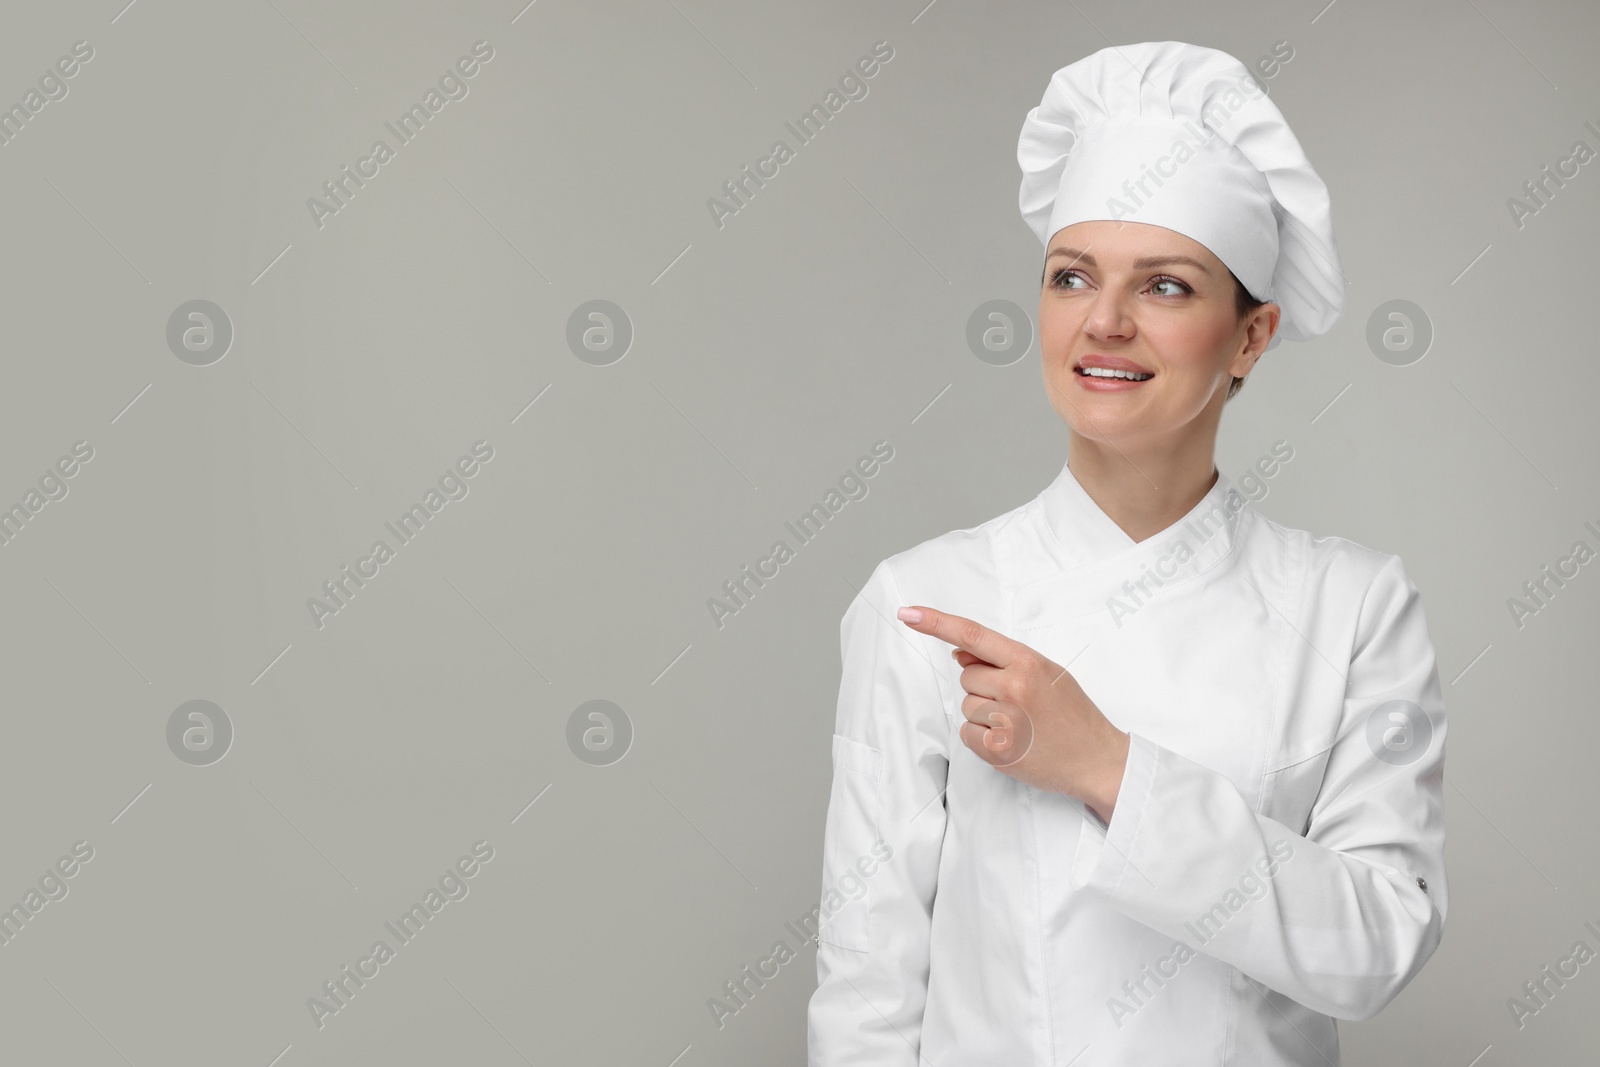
881 844
1340 918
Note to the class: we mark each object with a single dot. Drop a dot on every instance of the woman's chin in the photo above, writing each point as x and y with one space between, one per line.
1104 415
1107 430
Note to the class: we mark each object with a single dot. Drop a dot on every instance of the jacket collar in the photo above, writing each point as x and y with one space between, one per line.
1094 561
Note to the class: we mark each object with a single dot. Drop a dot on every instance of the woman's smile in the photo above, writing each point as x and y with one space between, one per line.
1109 374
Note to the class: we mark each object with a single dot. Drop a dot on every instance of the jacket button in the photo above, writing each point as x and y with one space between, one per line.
1422 883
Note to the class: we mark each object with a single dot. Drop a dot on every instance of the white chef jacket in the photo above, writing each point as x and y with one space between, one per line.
1274 860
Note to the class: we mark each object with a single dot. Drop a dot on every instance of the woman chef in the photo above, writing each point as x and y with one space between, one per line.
1158 780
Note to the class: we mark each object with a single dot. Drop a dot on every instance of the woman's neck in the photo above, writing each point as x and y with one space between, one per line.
1142 491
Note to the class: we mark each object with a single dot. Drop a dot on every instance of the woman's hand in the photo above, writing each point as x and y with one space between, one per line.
1028 717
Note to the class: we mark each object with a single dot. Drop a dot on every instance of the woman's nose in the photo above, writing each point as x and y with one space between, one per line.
1108 316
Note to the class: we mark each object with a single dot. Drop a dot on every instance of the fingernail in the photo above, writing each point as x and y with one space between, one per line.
910 615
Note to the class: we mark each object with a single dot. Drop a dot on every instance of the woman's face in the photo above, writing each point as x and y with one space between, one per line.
1133 297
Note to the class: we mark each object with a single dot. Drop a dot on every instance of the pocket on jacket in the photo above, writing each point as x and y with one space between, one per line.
852 827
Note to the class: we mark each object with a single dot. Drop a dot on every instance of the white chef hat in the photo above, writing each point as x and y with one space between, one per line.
1182 136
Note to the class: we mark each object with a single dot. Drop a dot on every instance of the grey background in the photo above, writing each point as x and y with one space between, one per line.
768 355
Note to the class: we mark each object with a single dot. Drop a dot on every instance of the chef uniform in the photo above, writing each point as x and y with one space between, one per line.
1274 860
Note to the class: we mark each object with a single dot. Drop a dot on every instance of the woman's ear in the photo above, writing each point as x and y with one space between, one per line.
1259 331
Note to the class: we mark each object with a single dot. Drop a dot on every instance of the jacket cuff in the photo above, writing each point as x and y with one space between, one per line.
1101 858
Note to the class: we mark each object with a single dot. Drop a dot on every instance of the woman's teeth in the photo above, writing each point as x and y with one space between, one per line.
1106 372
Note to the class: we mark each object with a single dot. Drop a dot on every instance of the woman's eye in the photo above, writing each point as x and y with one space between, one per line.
1063 279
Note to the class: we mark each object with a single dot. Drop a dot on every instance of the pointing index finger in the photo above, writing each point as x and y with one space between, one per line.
963 633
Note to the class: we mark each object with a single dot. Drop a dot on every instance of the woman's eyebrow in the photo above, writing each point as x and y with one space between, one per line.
1138 264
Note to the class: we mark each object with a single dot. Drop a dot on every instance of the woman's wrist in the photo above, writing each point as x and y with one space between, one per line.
1102 798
